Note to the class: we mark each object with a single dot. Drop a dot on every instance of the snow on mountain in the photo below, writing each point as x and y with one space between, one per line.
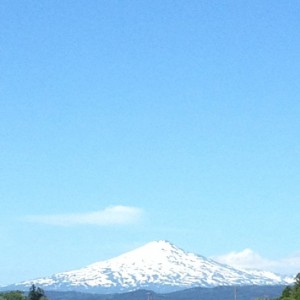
270 275
159 266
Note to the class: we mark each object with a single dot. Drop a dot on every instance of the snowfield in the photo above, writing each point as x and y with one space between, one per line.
159 266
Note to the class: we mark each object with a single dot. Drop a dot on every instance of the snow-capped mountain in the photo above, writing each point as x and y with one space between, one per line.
159 266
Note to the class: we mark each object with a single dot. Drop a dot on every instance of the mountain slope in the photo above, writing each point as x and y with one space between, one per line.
222 293
159 266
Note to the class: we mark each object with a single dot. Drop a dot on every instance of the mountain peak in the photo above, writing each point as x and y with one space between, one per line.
152 252
160 245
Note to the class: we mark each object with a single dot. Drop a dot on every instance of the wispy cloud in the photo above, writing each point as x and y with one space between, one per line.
248 259
113 215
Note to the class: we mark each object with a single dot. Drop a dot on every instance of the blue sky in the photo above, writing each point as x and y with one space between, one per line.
123 122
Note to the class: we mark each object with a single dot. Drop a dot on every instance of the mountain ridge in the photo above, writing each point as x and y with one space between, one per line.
159 266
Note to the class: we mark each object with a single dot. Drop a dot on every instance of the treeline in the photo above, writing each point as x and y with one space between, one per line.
33 294
292 292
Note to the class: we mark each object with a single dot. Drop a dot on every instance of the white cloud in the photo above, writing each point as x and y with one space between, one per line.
248 259
113 215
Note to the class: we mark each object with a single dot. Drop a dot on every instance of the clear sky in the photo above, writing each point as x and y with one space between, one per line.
124 122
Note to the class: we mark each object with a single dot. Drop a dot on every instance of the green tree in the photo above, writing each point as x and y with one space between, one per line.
292 292
36 293
287 293
13 295
297 284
